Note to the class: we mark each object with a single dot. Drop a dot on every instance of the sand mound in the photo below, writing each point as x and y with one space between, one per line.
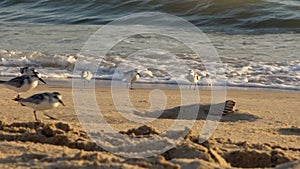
55 133
141 131
188 153
256 158
241 154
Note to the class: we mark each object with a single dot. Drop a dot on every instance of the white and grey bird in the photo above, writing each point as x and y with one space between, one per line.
86 76
193 77
42 101
28 71
132 76
23 83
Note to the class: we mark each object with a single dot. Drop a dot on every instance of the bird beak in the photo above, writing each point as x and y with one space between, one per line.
42 80
61 102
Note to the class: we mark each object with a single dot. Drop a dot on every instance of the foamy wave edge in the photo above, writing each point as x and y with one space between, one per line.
277 75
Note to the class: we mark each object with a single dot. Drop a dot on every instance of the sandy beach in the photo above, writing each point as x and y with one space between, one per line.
263 132
163 49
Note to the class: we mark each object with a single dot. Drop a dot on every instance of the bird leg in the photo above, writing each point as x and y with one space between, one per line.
17 98
50 117
131 86
34 112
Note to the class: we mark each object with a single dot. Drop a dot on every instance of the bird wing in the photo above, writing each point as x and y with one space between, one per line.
36 99
17 81
128 75
201 73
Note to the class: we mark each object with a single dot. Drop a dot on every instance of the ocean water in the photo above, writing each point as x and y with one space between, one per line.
258 41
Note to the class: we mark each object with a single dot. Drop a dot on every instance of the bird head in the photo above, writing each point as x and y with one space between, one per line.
23 70
58 96
191 71
84 73
137 71
37 75
28 71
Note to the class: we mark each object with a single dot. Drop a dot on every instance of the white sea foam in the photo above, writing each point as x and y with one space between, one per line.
284 75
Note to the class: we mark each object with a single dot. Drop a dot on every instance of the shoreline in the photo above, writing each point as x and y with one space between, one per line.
152 85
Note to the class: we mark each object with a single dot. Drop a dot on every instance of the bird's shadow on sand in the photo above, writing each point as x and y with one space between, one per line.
198 112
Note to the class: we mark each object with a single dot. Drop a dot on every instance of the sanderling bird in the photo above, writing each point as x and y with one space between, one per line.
27 71
30 71
42 101
86 75
132 76
23 83
193 77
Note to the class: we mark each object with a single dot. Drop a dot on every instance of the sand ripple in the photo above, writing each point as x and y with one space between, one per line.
71 147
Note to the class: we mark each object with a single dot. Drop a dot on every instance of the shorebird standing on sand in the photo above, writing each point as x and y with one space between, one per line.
193 77
42 101
86 75
23 83
30 71
132 76
27 71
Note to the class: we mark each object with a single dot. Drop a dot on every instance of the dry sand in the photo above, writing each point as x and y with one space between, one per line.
264 132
